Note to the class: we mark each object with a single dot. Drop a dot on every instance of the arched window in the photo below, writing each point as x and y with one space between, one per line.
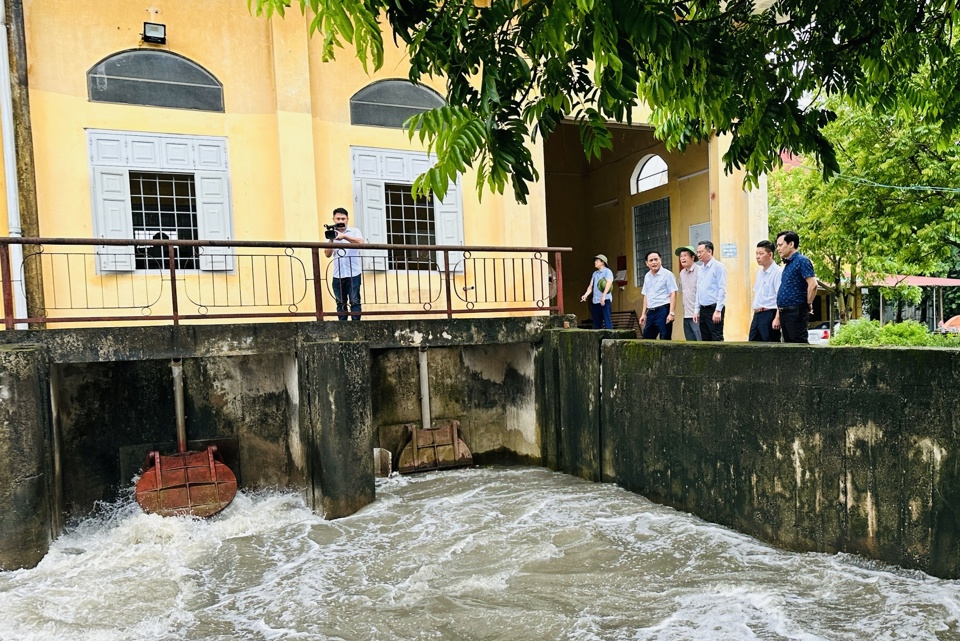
388 103
649 173
155 79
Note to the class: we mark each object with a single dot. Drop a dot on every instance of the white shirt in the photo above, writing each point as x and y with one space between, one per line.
712 285
766 287
346 261
658 287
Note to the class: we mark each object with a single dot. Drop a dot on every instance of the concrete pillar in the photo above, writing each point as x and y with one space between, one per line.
291 62
739 221
337 425
25 502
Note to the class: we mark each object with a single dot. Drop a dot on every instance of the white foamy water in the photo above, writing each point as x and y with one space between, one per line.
477 554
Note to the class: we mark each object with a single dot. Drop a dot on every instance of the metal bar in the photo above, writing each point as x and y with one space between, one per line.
7 287
174 303
556 259
447 284
151 242
185 317
317 284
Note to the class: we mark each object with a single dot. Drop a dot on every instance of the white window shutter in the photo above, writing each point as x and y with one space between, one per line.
213 220
113 218
143 152
374 224
108 149
448 218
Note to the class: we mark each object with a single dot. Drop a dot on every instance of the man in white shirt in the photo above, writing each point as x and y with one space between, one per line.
659 299
765 327
346 266
711 293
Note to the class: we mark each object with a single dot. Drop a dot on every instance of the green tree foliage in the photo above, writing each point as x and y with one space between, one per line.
516 68
892 208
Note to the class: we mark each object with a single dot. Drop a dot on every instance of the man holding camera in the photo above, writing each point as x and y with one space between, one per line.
346 264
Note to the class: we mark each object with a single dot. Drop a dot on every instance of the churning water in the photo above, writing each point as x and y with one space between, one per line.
474 554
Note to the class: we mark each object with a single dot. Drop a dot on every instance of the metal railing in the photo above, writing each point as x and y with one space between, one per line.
86 280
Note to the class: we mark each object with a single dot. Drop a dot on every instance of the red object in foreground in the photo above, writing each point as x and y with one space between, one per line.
186 484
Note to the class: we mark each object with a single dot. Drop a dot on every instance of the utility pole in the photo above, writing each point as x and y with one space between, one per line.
26 184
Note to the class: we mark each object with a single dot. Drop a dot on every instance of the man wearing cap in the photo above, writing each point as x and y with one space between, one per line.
765 326
688 287
659 299
711 293
601 282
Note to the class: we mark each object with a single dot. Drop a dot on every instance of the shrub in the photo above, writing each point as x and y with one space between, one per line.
908 334
862 331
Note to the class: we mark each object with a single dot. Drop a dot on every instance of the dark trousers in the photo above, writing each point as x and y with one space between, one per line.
710 331
347 290
793 323
601 315
657 323
691 330
761 327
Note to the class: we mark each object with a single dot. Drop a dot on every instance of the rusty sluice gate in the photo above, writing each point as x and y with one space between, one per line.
186 483
432 447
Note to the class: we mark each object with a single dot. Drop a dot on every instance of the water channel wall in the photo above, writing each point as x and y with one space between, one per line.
290 405
809 448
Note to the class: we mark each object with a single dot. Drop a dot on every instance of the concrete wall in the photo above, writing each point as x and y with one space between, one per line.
490 389
294 405
25 462
816 449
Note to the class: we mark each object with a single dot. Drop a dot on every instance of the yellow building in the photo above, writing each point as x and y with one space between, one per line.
237 123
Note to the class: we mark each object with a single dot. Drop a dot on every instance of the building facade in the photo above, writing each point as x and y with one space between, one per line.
232 128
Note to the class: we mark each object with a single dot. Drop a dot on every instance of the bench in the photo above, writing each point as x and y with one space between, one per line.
621 320
626 320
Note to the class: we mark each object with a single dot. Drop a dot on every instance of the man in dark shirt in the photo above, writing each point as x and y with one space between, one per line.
798 288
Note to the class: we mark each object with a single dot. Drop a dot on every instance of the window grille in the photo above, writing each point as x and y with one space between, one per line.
410 221
651 231
164 206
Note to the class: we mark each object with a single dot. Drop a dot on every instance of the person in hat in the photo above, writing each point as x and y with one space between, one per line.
688 289
598 291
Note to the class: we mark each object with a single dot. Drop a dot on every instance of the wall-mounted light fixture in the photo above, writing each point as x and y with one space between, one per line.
154 33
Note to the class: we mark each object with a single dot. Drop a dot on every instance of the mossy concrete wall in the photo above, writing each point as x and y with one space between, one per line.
570 400
489 389
812 449
26 469
292 405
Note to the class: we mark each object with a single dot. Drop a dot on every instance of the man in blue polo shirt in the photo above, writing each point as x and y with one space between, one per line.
798 288
659 299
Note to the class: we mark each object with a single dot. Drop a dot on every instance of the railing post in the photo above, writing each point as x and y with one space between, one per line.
317 289
447 282
174 304
7 286
559 269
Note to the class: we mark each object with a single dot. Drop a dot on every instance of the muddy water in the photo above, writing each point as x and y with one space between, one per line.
477 554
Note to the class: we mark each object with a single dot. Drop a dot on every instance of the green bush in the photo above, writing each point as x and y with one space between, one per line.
862 331
908 334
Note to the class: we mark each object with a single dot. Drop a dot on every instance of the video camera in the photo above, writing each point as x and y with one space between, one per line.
332 230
